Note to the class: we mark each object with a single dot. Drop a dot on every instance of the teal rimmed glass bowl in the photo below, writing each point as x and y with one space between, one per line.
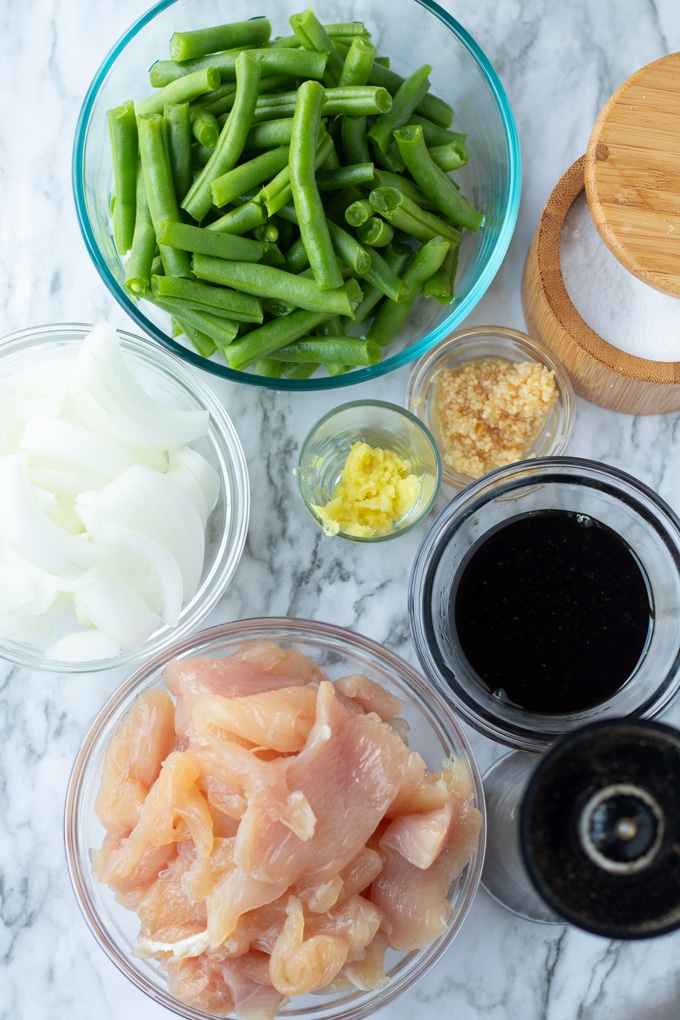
412 32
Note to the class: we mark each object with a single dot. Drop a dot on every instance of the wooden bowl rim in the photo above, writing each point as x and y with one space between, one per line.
575 328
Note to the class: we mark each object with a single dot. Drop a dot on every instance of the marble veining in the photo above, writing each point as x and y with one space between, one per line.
559 63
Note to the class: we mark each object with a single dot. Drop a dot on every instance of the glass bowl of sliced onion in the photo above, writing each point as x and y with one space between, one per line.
277 817
124 498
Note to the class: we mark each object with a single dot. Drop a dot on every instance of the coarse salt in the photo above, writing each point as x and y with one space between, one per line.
627 313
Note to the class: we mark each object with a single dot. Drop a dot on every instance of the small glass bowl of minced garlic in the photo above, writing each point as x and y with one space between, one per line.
491 396
368 471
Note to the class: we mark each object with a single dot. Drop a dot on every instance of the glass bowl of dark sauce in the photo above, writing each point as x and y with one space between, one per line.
547 595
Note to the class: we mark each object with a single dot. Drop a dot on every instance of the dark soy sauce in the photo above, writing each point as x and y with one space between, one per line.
552 611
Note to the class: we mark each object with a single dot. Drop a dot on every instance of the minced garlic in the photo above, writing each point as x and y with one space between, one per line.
376 489
490 410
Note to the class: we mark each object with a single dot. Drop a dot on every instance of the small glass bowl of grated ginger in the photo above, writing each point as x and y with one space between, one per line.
491 396
369 470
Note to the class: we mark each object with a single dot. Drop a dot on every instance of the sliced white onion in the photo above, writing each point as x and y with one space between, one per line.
109 399
150 503
32 630
24 586
104 599
150 568
37 389
196 477
28 528
83 646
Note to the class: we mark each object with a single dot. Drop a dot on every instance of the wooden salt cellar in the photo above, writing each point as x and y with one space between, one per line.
631 174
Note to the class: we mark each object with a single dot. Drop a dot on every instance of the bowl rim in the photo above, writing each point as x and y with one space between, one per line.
425 369
435 709
402 412
522 735
222 433
459 309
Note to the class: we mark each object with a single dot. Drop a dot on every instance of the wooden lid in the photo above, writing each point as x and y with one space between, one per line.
632 174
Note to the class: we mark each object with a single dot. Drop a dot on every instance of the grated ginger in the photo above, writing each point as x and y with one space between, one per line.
376 489
490 410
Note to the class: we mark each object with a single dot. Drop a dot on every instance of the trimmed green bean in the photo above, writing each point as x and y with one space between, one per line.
350 101
306 198
219 300
268 368
263 341
376 232
292 370
356 69
183 90
160 188
349 250
388 179
205 128
344 176
221 101
353 139
241 219
343 350
358 212
232 138
391 315
432 181
313 36
404 102
394 206
397 257
210 242
433 107
234 35
294 63
297 259
440 285
380 274
245 176
122 125
202 343
451 156
143 247
278 193
269 281
220 330
270 133
434 134
178 142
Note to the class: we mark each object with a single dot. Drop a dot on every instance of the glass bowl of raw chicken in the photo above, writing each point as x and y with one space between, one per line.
277 817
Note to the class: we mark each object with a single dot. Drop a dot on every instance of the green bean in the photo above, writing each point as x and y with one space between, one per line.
391 315
435 109
404 102
381 275
389 160
305 193
341 29
292 370
220 330
268 368
221 101
268 281
433 182
241 219
353 138
294 63
205 346
297 259
219 300
313 36
357 65
358 212
205 128
235 35
387 179
210 242
245 176
178 142
232 138
143 247
273 257
397 257
434 134
263 341
122 125
451 156
394 206
183 90
160 189
349 250
349 101
270 133
440 285
343 176
376 232
278 192
344 350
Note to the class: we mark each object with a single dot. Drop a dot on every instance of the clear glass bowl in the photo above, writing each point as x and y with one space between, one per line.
434 733
167 379
491 342
412 32
629 508
382 425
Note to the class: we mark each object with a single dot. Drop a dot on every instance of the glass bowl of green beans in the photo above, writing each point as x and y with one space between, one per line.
283 197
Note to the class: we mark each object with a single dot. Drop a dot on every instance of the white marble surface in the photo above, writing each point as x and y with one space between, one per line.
559 63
